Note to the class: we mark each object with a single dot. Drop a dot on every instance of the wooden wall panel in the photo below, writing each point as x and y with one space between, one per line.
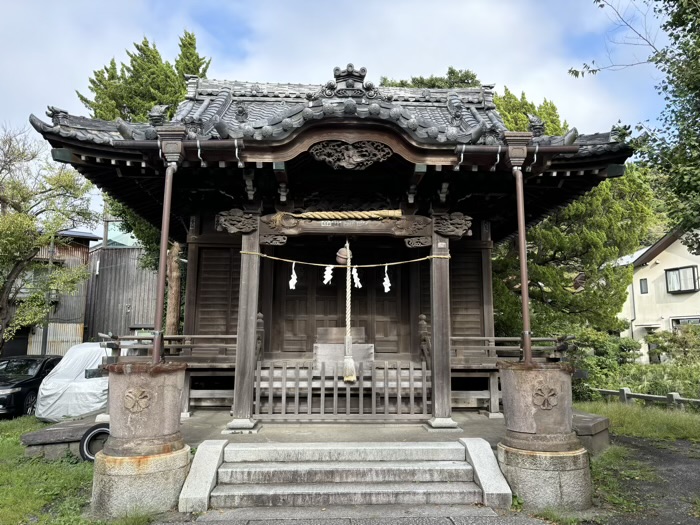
466 302
218 281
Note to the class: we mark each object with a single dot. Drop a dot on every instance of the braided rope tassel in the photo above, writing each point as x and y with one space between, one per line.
349 374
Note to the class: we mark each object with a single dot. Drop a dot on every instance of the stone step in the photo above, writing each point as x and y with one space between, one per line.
345 472
317 452
323 494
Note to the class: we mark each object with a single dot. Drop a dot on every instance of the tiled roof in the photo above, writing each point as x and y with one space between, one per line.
260 112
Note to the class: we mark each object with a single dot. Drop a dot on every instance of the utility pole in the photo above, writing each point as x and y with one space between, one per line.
45 328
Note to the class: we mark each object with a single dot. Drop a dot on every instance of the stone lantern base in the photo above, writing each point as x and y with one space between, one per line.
145 461
557 480
540 455
127 486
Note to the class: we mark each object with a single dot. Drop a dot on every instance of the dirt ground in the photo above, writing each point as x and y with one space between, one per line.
668 499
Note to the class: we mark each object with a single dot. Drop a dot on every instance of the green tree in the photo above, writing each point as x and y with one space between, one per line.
572 281
38 199
672 149
570 256
455 78
129 92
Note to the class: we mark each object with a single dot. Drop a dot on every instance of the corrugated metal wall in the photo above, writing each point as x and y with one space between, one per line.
119 292
61 337
71 307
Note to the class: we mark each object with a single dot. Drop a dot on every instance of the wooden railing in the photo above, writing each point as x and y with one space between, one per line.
384 390
179 345
625 395
474 352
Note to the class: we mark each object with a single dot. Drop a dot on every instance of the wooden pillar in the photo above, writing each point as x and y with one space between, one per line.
440 320
242 408
487 302
192 271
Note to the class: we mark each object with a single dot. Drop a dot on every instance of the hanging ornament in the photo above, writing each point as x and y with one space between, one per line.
293 280
327 275
386 282
356 278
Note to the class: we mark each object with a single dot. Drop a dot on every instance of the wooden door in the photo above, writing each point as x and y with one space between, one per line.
299 313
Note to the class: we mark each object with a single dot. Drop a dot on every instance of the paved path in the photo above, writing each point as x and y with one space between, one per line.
367 515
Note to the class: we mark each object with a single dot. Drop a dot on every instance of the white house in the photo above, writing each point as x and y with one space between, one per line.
665 292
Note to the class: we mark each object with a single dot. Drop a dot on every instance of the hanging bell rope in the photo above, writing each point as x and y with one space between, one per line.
344 255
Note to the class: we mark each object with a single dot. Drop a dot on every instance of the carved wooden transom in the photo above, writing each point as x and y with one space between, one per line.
355 156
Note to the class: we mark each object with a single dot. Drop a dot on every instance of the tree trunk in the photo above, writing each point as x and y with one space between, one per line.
6 292
172 319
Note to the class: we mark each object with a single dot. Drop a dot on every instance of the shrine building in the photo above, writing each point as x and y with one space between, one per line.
268 185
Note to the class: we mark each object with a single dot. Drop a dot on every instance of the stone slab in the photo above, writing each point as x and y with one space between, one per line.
63 432
345 451
487 474
343 472
202 477
322 494
589 424
294 515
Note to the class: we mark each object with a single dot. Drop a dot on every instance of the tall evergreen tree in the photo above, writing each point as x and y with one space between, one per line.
573 282
129 92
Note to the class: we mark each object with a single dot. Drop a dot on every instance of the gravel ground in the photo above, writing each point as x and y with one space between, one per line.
666 500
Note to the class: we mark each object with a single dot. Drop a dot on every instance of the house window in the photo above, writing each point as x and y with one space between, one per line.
643 286
675 323
682 280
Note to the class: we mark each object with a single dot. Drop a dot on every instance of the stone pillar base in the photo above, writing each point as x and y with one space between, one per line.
558 480
125 486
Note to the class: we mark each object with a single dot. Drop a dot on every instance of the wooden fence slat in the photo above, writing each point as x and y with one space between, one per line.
335 389
296 388
270 398
284 387
323 387
361 383
386 387
258 387
398 388
309 387
425 389
412 398
374 387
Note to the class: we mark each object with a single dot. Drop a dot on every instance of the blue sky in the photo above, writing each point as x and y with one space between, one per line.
51 48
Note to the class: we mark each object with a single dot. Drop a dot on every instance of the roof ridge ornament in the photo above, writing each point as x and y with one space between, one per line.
348 82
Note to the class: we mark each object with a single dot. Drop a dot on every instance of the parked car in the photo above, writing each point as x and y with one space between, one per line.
20 377
67 392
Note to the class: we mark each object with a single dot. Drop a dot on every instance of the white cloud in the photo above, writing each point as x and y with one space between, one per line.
51 49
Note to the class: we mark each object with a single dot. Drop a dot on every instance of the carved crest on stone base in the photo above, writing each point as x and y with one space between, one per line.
453 224
355 156
236 221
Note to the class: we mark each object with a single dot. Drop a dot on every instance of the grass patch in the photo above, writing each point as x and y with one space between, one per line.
31 486
695 507
612 471
44 492
646 422
553 516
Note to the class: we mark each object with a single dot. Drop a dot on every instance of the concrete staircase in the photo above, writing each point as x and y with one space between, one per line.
330 474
